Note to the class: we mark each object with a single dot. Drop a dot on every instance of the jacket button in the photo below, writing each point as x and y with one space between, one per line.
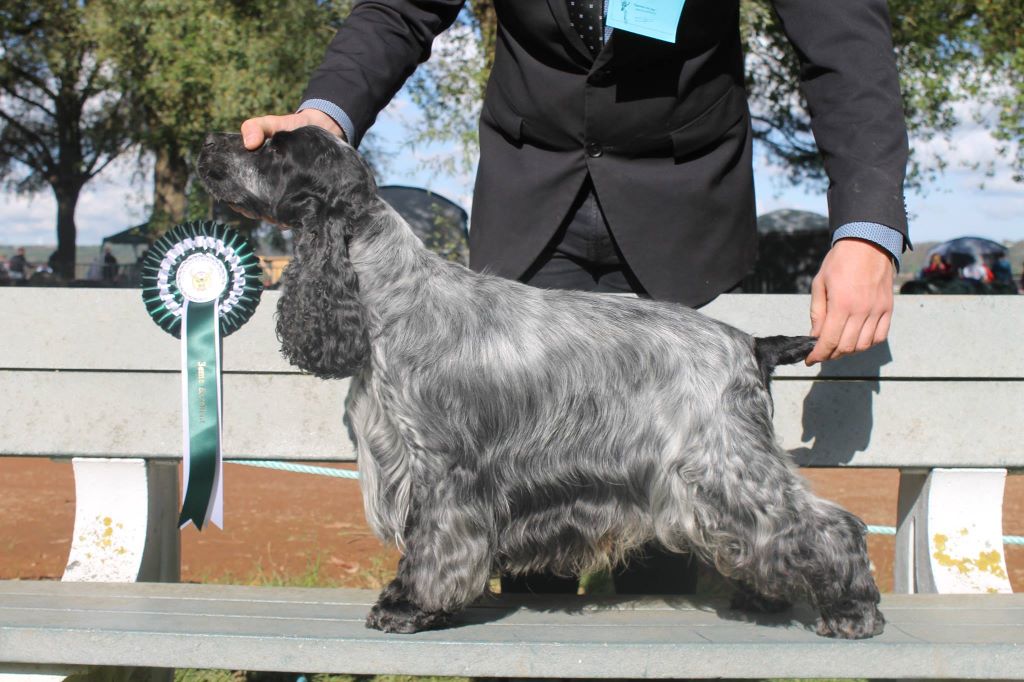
594 150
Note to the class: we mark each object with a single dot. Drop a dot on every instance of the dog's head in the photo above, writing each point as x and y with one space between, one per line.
314 183
301 179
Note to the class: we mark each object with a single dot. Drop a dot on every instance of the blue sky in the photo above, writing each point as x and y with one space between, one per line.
953 206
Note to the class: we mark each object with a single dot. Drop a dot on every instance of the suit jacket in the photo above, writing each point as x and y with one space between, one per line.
662 129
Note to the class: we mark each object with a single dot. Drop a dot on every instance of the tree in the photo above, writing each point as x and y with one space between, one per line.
960 63
62 116
206 65
954 57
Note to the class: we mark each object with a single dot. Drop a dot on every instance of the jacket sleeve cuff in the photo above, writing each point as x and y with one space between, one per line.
335 112
885 237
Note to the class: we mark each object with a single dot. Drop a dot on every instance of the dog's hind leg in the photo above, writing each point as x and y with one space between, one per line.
755 519
835 563
758 523
803 547
446 565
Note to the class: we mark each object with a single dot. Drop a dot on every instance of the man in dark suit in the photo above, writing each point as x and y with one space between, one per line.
628 162
611 161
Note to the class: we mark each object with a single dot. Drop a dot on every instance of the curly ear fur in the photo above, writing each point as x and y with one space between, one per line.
321 322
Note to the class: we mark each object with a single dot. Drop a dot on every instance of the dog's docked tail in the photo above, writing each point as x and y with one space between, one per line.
772 351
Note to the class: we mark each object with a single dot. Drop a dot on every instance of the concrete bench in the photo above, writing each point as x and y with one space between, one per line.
89 377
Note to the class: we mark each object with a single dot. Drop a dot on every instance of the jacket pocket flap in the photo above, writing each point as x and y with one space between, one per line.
711 124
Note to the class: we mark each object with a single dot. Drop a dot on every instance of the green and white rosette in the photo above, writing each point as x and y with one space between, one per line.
200 282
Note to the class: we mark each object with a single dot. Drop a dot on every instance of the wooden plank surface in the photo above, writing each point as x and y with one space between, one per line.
292 416
318 630
932 336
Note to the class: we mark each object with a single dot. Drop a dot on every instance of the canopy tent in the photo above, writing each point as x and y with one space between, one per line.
791 221
790 248
135 236
440 223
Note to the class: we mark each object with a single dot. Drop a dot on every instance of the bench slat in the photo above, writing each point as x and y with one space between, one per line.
932 336
131 414
900 423
308 630
849 423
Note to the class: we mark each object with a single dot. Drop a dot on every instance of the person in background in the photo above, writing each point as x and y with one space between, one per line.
109 265
1002 271
18 266
937 268
978 271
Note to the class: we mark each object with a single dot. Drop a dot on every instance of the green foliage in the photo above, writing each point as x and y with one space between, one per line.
61 117
960 63
208 64
450 86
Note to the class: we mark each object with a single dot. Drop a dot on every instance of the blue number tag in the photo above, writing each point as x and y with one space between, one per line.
652 18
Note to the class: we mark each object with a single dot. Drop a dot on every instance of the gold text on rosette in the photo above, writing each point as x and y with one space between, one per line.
201 390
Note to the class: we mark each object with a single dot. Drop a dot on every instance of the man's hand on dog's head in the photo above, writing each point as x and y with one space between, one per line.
256 131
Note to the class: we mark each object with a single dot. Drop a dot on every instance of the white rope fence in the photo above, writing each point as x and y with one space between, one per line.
348 473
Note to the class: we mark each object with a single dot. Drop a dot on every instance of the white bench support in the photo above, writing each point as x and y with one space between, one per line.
950 534
125 521
38 673
125 531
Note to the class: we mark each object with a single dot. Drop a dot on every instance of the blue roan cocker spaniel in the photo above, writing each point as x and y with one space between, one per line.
501 427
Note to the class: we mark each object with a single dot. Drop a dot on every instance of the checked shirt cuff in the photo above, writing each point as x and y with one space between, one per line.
335 112
886 237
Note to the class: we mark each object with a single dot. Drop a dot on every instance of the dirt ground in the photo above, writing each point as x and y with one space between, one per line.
304 529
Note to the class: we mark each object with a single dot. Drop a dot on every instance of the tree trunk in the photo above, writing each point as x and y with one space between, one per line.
67 199
170 181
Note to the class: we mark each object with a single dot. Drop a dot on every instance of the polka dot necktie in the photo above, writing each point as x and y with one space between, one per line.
587 18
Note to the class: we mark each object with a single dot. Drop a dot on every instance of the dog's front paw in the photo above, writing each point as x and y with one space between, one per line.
851 620
404 617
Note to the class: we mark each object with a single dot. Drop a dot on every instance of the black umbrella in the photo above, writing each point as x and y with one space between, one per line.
963 251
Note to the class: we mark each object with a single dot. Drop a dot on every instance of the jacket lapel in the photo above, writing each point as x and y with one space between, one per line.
605 55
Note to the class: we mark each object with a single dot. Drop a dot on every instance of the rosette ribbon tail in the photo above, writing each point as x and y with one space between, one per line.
200 283
201 407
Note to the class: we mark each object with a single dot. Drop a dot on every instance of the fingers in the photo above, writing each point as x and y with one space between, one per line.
832 329
843 334
256 131
818 305
866 335
882 330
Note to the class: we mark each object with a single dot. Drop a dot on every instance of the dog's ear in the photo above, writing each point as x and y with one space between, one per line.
298 208
321 321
